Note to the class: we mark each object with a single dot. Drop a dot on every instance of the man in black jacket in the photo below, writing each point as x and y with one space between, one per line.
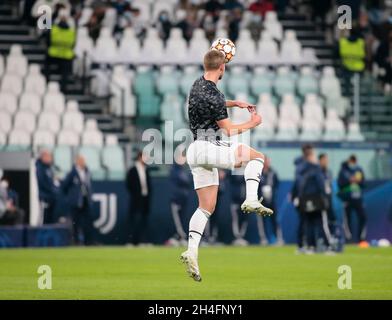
77 188
139 187
351 182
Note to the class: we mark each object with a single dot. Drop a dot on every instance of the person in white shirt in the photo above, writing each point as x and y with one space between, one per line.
139 188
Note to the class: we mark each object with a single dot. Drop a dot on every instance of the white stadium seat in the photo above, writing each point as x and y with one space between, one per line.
67 138
43 138
8 102
54 100
111 140
91 135
16 62
3 139
105 50
1 65
246 48
152 51
198 46
267 50
30 102
12 83
19 137
49 121
25 120
121 84
35 82
176 48
129 49
290 51
5 121
272 25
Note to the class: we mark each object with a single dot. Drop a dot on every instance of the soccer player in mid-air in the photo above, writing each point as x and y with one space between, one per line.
208 119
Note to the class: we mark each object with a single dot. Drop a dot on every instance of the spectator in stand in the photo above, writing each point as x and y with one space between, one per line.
10 212
209 25
139 187
232 5
164 25
77 188
95 23
181 184
320 11
187 23
61 42
383 59
351 182
48 186
234 21
261 7
255 26
268 189
213 9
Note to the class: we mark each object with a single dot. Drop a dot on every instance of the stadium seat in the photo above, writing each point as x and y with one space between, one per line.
49 121
5 121
30 102
43 138
8 102
166 82
144 88
260 83
354 132
73 120
311 131
35 82
290 50
191 73
62 157
246 48
18 139
83 49
198 46
334 127
267 109
93 159
25 120
129 49
91 135
273 26
309 56
267 53
287 131
110 18
283 84
16 61
54 100
105 49
122 101
152 50
12 83
111 140
329 84
113 161
307 82
85 17
312 110
263 132
237 82
289 110
67 138
176 48
3 139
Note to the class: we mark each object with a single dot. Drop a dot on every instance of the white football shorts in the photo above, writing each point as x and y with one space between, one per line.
205 157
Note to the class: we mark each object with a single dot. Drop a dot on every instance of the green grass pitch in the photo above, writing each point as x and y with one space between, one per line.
228 273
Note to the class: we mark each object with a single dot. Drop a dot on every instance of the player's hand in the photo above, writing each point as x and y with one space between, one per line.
244 104
255 119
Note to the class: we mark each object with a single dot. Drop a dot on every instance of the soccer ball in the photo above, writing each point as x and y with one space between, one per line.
226 46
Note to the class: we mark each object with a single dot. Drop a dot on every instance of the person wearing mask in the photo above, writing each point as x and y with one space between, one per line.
48 186
309 193
138 183
164 25
77 188
181 186
268 190
62 38
351 182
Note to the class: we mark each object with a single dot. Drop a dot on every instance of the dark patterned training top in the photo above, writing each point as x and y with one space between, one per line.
207 105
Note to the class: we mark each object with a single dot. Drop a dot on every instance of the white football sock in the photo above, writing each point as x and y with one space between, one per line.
252 175
196 228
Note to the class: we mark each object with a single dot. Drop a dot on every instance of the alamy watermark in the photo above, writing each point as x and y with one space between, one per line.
345 277
45 279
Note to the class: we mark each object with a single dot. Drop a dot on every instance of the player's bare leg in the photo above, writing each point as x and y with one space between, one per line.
207 200
254 163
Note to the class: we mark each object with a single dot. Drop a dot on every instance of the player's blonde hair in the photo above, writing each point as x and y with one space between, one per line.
213 59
